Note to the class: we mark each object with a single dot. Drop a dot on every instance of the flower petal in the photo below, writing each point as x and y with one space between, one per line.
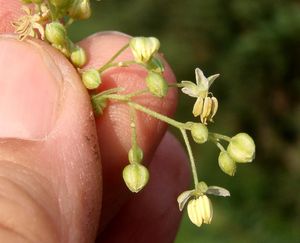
201 80
189 88
212 78
183 198
218 191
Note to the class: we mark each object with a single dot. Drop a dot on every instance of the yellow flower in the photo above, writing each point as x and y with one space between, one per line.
206 107
200 208
28 24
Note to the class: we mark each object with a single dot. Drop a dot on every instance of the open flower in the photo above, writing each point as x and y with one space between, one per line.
199 207
28 24
205 106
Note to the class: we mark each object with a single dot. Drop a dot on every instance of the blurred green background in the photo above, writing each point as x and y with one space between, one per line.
255 45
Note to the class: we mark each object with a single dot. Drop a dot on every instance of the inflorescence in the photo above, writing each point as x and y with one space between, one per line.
49 20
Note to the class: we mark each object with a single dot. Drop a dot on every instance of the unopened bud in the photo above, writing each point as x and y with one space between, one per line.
56 33
80 9
91 79
78 57
136 177
143 48
135 155
59 3
156 84
226 163
199 132
241 148
200 210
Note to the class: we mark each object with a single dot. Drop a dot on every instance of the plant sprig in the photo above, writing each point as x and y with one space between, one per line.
49 20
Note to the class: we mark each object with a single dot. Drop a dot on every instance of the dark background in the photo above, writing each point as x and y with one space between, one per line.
255 45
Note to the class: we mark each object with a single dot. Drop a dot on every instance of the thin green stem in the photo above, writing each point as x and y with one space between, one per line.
133 127
190 153
107 64
220 136
116 64
157 115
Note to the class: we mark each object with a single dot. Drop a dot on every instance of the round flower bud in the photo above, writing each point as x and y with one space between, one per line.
78 57
80 9
156 84
56 33
241 148
143 48
91 79
227 164
136 177
135 155
200 210
59 3
199 132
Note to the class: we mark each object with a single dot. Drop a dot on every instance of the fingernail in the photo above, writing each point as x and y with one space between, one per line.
30 90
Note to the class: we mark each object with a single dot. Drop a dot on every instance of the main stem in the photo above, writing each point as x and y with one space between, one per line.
190 153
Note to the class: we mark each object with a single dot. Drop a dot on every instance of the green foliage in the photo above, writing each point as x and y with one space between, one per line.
254 45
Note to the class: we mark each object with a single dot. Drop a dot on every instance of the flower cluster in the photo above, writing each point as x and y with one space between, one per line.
43 19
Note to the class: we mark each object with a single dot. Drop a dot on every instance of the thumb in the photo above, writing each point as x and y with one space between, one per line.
49 160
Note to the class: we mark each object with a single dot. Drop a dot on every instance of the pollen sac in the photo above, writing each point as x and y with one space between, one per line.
206 108
200 210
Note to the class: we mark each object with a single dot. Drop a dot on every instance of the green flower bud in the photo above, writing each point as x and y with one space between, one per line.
143 48
156 84
99 103
60 3
155 65
78 57
91 79
199 132
202 187
227 164
26 1
135 155
200 210
241 148
56 33
80 9
135 176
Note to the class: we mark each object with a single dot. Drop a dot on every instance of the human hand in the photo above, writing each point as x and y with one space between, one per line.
50 170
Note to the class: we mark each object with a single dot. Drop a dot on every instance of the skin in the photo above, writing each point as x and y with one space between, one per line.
60 168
